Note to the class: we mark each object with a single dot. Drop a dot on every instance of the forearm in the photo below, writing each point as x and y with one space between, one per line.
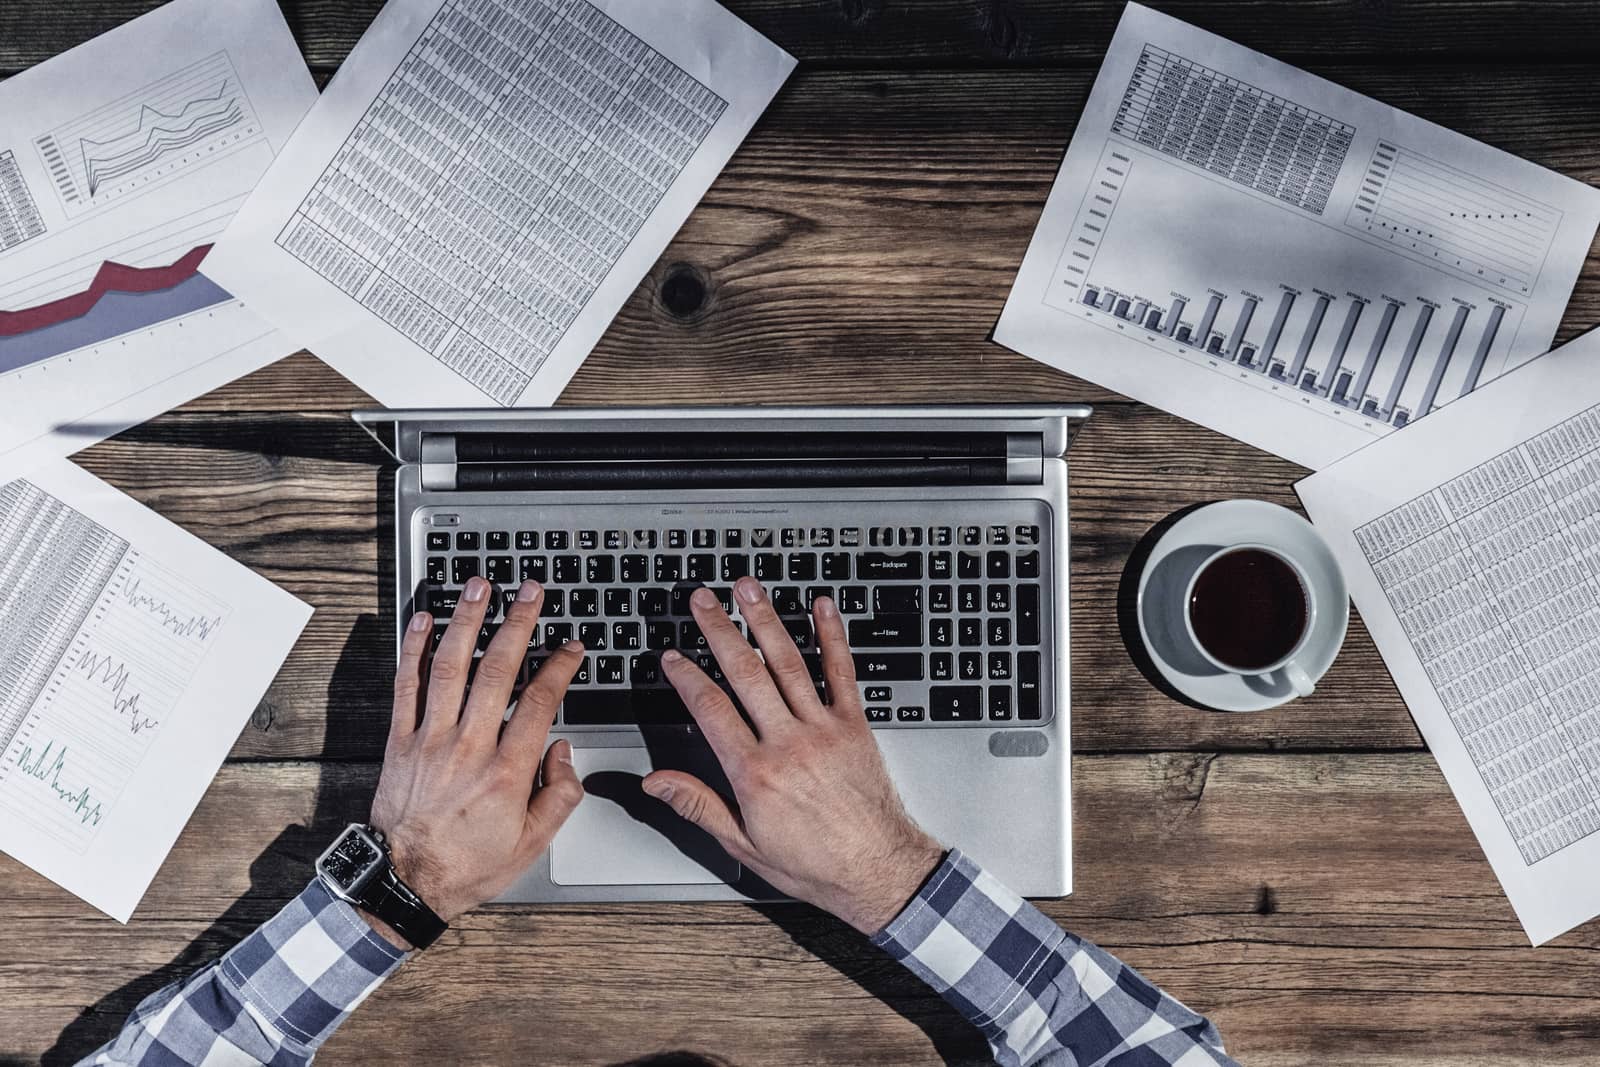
1040 995
274 998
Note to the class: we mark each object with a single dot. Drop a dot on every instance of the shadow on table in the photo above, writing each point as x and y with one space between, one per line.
1128 605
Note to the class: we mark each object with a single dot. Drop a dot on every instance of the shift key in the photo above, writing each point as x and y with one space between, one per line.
889 666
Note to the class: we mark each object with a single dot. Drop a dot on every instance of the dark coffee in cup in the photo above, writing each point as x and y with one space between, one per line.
1248 609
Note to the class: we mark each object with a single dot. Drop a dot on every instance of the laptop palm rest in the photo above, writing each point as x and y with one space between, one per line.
621 836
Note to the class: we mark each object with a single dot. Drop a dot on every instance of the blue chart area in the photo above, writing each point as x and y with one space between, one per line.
163 129
113 315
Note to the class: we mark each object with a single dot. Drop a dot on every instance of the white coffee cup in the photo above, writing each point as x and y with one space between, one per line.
1286 666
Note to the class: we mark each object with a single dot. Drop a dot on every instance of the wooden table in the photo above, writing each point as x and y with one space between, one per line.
1303 875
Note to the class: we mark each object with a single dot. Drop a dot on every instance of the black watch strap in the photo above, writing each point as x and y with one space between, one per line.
392 900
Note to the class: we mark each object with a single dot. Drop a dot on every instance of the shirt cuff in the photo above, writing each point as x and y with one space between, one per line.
308 967
975 942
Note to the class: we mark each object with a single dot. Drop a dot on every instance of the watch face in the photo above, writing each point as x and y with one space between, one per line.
351 857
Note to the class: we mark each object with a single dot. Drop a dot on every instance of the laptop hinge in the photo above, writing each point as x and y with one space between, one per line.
1024 459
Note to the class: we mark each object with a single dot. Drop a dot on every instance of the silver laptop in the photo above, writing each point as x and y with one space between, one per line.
941 533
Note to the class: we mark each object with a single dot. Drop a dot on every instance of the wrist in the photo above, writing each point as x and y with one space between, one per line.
903 878
385 931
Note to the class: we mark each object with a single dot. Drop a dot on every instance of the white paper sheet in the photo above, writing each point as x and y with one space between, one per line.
1471 543
1275 257
486 182
121 161
131 655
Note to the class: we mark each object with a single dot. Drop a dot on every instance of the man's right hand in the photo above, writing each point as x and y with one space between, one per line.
817 816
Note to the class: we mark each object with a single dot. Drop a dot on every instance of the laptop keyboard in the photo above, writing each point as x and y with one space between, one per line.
945 622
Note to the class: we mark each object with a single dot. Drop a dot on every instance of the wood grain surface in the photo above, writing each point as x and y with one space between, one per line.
1301 875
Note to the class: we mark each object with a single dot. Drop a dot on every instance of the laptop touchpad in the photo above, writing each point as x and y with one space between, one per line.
621 836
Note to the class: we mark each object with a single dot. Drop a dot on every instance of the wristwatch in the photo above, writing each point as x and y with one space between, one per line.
358 870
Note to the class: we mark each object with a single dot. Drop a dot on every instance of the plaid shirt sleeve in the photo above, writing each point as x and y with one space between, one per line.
1040 995
274 998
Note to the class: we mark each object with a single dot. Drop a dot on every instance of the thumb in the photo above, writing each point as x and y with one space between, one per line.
697 802
557 796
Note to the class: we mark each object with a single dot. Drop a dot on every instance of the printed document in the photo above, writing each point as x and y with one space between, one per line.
1275 257
121 163
1471 543
486 182
131 655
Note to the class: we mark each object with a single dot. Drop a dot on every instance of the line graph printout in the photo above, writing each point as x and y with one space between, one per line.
1472 547
121 163
131 654
486 183
1281 259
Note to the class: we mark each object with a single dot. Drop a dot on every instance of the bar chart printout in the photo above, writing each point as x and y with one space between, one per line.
1474 556
1291 263
121 642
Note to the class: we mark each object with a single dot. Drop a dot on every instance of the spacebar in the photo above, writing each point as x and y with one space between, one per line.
614 707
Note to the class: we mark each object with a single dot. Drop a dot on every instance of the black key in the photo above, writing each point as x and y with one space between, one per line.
971 535
999 666
501 570
705 539
635 570
786 601
527 541
611 707
680 599
557 634
940 598
889 666
941 631
585 673
724 595
732 538
467 541
908 714
614 540
533 569
881 565
955 703
943 666
652 603
669 569
660 636
971 632
887 631
999 703
1028 685
734 567
822 537
879 715
530 667
600 570
690 637
441 603
850 537
644 539
588 540
941 535
970 597
836 566
969 565
799 632
1000 598
708 664
999 631
677 539
507 598
853 600
970 666
463 568
1027 535
790 538
608 670
1027 615
498 541
645 669
438 635
802 567
486 634
437 572
1028 565
769 567
703 568
940 565
999 535
438 542
566 570
555 603
999 564
584 603
627 636
894 599
761 537
815 591
555 541
619 602
878 693
593 635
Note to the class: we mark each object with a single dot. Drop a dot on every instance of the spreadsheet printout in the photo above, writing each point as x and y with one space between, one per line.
1268 254
131 654
1471 543
487 181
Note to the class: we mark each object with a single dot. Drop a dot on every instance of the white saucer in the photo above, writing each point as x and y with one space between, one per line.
1173 562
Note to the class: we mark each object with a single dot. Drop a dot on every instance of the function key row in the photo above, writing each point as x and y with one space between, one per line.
999 535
